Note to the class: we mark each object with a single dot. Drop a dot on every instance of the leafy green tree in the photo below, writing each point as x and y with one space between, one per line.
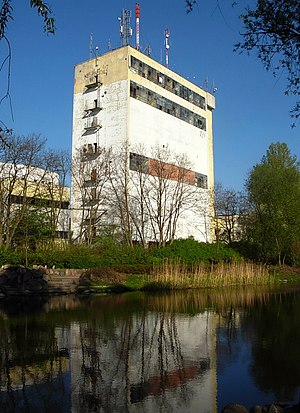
272 30
274 192
6 17
34 228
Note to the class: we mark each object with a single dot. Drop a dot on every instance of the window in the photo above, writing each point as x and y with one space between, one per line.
201 180
172 85
156 100
138 163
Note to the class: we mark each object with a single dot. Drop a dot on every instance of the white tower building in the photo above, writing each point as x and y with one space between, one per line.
125 101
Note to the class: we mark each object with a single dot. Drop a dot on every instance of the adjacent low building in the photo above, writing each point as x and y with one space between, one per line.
25 189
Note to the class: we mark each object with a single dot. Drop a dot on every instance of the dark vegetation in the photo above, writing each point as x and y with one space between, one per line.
106 253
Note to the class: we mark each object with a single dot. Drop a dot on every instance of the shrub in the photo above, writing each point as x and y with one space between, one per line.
192 252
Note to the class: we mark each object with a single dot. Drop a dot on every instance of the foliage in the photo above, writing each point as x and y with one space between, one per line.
274 192
193 252
42 8
123 258
272 29
11 257
6 16
34 227
189 4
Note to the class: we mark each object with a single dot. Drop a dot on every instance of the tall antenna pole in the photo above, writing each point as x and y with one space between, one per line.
91 46
167 34
137 25
125 29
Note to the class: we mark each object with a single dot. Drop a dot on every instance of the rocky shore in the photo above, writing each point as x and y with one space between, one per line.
19 280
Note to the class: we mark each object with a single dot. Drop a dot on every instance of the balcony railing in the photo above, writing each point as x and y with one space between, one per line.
90 151
92 123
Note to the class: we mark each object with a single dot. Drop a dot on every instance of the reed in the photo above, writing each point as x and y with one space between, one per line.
177 275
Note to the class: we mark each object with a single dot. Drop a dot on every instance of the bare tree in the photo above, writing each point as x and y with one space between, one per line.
154 194
120 202
20 179
230 208
90 176
172 192
29 184
57 192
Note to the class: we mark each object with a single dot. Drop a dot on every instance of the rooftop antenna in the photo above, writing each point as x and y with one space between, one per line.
93 53
125 29
214 88
91 46
206 83
148 50
137 25
167 34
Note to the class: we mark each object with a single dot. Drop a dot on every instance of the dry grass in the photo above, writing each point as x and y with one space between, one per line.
177 275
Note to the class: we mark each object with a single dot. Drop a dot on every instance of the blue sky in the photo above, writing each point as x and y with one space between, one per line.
252 110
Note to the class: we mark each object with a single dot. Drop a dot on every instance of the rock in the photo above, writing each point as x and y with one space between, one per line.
27 276
275 408
34 285
234 408
256 409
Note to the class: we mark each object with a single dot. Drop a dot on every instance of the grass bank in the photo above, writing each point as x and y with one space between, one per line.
177 275
183 264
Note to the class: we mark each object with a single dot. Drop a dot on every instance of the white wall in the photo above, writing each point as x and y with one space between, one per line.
149 126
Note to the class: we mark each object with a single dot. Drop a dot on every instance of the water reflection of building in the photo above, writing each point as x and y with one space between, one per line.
136 362
143 363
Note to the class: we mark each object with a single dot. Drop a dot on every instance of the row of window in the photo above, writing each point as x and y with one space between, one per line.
141 163
154 99
166 82
39 202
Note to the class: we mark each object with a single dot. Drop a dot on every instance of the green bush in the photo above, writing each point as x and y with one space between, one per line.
124 259
10 257
192 252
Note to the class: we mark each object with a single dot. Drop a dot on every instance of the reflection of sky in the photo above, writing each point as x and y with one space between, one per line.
235 384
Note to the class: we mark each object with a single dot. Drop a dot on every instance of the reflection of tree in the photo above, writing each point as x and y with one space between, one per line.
31 368
227 332
133 358
276 356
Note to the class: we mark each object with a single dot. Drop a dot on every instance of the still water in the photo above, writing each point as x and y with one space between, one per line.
192 351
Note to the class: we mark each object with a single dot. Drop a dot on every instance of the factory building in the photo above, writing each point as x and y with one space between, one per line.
160 124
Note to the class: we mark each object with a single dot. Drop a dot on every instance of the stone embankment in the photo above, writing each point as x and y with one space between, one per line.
269 408
18 280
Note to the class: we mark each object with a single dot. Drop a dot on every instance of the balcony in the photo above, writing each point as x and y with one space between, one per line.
92 123
92 107
90 151
92 82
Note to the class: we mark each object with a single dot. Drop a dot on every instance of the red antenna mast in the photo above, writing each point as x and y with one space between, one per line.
137 25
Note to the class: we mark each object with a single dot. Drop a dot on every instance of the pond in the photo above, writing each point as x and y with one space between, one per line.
191 351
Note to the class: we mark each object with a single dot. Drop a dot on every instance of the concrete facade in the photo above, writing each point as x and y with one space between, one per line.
125 99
